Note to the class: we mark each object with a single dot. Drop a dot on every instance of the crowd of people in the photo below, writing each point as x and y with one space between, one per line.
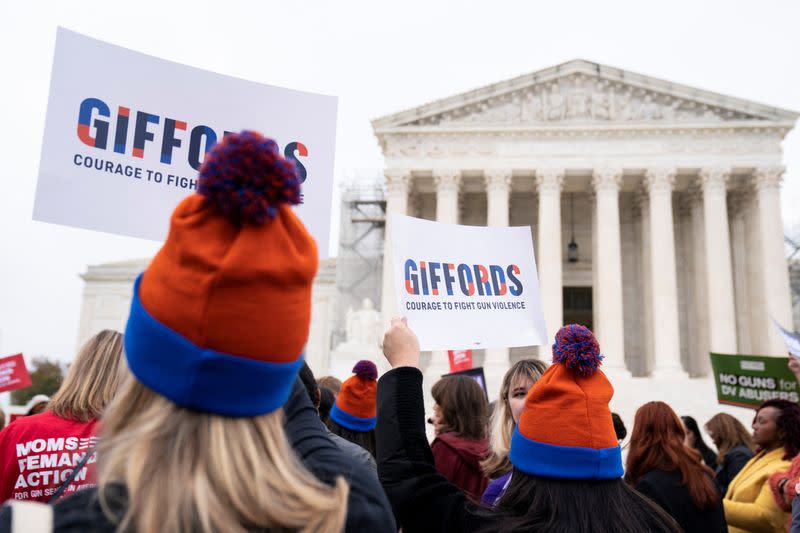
204 417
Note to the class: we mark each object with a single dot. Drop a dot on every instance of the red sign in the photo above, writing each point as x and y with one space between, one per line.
13 374
460 360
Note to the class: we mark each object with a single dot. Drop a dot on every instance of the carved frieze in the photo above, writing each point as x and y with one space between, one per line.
581 98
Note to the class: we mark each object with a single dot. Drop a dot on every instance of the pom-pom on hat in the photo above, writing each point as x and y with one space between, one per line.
354 408
565 429
219 319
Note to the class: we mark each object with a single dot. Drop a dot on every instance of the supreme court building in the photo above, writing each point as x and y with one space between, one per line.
654 209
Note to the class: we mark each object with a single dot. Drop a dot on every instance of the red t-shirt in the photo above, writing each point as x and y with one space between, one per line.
38 453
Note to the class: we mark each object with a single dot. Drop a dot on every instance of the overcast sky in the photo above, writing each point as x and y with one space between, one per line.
379 58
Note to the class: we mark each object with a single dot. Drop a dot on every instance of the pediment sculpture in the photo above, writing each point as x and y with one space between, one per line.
582 99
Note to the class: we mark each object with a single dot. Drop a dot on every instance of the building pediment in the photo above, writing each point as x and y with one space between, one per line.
583 93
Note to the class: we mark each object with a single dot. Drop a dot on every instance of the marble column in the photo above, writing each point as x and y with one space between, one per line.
498 191
757 305
398 182
684 257
609 318
448 185
663 276
736 209
773 269
549 183
646 358
699 341
719 272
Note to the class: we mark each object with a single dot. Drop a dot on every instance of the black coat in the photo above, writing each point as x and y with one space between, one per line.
367 506
422 498
731 465
667 490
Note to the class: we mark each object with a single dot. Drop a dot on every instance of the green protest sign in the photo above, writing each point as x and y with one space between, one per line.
749 380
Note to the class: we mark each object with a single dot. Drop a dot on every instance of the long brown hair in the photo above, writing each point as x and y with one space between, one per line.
463 405
657 443
92 379
502 423
728 433
187 471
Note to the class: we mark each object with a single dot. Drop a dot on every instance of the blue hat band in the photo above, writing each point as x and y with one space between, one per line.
564 462
199 378
346 420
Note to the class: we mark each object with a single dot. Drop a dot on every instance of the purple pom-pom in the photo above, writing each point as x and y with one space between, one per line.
578 349
366 369
246 178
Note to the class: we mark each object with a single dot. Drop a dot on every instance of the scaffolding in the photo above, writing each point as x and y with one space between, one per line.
359 267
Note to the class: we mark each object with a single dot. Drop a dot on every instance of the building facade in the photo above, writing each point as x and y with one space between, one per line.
671 194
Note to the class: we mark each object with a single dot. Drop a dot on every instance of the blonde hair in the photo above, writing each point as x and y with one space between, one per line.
502 422
190 471
92 379
728 433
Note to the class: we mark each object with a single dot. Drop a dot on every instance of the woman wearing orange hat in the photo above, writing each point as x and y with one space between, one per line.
567 462
352 416
196 440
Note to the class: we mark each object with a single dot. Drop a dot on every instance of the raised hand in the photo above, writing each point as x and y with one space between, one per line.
400 345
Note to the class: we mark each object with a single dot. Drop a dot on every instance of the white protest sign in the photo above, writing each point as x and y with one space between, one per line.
467 287
126 132
792 340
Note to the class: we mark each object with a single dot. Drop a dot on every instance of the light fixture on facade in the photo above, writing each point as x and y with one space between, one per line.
572 247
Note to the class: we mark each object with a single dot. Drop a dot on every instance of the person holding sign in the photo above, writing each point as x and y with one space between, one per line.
749 503
784 488
794 366
567 473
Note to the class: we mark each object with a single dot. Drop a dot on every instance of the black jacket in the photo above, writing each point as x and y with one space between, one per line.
731 465
423 499
368 509
667 490
367 506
